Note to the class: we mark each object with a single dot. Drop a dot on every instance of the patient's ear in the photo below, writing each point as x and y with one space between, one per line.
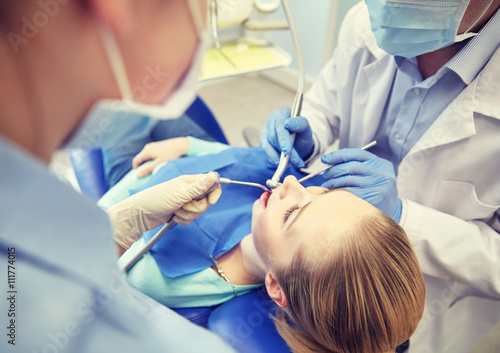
275 292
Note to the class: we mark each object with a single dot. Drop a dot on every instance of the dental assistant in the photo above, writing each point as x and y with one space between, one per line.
423 80
58 61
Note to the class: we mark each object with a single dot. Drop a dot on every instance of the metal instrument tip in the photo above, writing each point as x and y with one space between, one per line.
271 184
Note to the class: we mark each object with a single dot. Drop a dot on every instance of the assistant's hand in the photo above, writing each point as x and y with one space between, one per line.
155 206
159 152
365 175
275 137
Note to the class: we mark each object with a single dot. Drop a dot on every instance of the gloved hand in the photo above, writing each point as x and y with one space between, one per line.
155 206
365 175
275 137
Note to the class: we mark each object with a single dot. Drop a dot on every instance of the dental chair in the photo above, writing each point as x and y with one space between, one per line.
244 322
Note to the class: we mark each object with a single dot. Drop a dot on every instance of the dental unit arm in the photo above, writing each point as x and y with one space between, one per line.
297 104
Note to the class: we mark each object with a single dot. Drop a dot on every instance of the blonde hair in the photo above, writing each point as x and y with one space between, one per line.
364 295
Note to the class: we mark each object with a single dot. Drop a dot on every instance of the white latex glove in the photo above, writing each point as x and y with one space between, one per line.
150 208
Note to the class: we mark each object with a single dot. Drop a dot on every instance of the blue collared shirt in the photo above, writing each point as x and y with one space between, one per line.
414 104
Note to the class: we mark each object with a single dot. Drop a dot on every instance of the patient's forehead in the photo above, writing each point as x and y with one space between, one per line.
330 217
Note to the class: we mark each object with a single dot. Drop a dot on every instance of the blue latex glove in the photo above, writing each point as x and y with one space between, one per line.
365 175
275 137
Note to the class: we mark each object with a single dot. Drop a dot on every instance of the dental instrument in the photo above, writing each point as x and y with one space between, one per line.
226 181
169 225
297 104
326 167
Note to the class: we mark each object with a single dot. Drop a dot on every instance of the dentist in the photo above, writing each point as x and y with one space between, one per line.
422 78
61 60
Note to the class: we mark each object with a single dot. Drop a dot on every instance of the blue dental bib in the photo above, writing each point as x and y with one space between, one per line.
187 249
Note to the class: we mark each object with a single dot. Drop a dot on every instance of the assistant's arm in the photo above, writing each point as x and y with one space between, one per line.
174 200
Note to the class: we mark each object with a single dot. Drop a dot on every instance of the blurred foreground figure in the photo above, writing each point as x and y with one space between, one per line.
58 61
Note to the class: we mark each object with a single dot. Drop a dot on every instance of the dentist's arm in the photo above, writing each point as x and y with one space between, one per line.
150 208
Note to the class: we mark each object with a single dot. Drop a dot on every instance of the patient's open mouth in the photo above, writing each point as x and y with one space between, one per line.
264 198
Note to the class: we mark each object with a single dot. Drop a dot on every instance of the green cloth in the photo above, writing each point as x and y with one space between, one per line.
199 147
204 288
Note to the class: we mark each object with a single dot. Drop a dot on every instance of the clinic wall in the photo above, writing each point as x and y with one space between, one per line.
313 19
343 7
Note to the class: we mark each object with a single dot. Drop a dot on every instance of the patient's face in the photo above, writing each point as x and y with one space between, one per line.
294 216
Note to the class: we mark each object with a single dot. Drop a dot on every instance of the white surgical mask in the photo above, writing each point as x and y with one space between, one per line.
112 120
414 27
179 101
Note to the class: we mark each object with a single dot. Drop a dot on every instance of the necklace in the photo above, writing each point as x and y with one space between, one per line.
223 275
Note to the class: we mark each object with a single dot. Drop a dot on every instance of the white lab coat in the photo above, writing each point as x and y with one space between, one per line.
70 295
449 182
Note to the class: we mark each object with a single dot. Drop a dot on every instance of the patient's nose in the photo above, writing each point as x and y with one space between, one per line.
291 187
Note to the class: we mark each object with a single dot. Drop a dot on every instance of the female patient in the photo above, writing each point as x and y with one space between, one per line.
343 273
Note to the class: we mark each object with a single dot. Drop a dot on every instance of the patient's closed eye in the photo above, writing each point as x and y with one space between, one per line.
289 212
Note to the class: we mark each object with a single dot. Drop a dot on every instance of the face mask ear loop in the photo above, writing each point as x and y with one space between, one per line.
478 19
115 61
194 6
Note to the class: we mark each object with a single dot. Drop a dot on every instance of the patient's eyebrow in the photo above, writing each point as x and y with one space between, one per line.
304 207
298 215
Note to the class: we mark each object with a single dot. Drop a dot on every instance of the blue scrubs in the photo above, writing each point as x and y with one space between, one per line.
69 295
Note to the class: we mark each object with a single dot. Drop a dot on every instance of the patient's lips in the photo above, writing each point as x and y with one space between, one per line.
264 198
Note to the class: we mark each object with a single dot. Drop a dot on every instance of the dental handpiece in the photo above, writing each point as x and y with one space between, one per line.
229 181
284 159
297 104
169 225
326 167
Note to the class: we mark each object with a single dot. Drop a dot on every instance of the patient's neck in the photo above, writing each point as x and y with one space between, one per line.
252 262
242 264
